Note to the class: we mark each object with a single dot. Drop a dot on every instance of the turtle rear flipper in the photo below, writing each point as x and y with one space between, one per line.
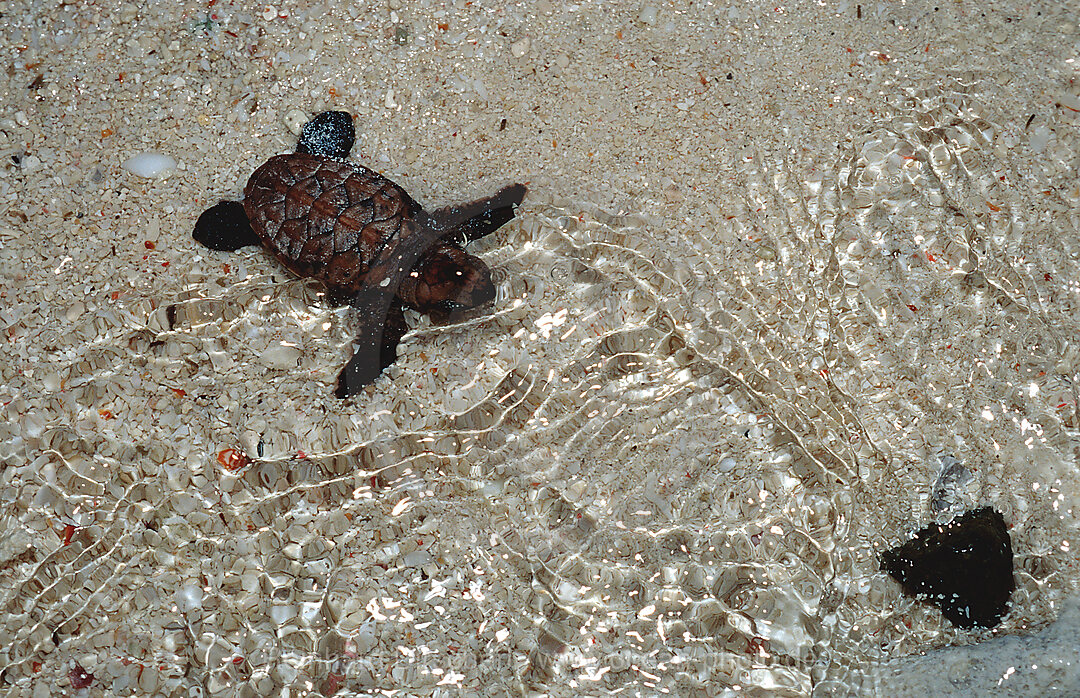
225 226
464 223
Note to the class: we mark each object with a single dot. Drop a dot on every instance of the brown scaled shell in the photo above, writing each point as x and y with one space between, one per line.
326 218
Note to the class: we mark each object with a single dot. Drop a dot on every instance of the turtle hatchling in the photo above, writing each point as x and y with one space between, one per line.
363 236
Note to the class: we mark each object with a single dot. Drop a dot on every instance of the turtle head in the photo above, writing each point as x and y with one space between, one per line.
445 280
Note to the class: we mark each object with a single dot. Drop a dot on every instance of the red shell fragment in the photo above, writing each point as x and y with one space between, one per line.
232 460
80 678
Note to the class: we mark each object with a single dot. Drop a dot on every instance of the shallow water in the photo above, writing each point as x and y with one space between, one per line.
707 396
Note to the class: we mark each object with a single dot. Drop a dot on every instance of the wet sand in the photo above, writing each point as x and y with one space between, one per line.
779 267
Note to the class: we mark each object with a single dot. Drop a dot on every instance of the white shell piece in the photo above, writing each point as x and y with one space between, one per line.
520 47
189 597
150 165
281 355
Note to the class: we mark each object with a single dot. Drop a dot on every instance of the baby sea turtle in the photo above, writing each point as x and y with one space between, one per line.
363 236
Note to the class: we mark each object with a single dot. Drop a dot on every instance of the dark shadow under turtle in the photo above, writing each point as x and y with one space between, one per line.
363 236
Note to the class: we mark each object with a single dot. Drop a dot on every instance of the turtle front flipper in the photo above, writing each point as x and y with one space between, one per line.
375 304
225 226
382 325
464 223
337 296
394 329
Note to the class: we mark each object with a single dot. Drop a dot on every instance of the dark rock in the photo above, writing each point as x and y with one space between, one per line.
330 134
225 227
965 567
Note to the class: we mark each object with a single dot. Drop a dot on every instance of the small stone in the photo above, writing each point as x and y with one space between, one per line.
216 685
280 613
948 488
281 355
965 567
75 311
417 559
114 667
365 639
520 47
1070 101
21 119
262 682
30 163
1039 138
295 120
148 679
647 15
